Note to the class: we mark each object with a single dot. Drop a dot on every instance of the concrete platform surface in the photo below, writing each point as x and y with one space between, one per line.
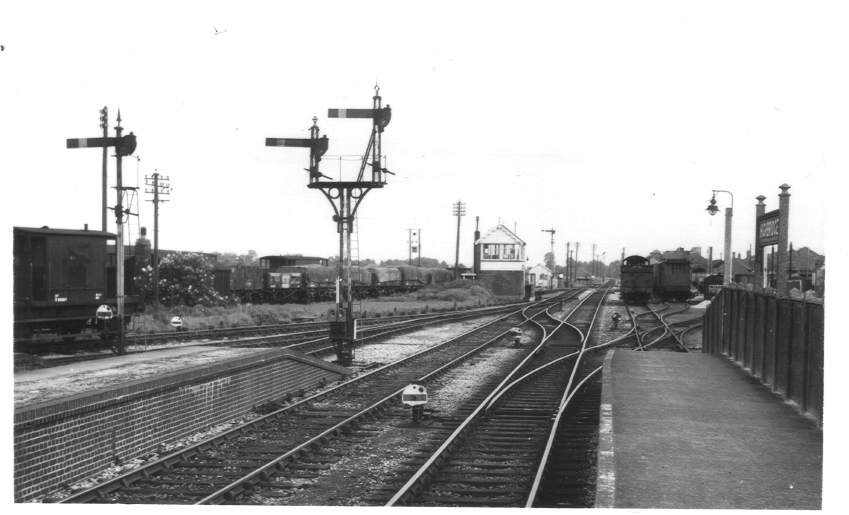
41 385
692 430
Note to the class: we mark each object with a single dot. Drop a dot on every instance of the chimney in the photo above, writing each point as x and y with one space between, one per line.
85 227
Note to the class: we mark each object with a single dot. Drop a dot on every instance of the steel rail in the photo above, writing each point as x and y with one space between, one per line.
184 453
232 490
166 461
440 454
552 435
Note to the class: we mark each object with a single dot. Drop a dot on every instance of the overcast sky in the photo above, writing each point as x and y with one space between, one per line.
610 122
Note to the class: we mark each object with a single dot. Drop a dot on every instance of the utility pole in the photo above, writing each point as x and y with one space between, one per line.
577 246
553 261
345 197
158 186
414 235
603 267
568 265
104 124
459 212
593 265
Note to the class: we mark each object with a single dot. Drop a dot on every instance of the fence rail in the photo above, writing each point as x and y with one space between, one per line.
779 340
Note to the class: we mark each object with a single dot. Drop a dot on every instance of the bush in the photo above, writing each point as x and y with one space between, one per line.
184 280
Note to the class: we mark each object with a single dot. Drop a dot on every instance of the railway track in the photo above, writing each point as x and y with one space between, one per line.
303 329
310 338
566 475
490 459
226 466
653 331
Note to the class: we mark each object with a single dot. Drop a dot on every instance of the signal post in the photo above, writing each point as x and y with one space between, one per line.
124 146
345 198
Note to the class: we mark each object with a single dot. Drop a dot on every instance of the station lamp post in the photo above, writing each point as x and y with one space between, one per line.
729 211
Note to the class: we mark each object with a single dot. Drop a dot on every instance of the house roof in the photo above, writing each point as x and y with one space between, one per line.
500 234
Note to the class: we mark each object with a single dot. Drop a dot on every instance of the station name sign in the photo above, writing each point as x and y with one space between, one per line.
768 229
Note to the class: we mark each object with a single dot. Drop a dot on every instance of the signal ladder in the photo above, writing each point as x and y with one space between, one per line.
357 302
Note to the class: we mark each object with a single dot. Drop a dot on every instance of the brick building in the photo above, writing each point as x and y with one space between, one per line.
500 261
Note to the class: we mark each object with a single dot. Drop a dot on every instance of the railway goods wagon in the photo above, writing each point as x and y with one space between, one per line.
61 277
385 280
636 278
672 279
441 276
414 277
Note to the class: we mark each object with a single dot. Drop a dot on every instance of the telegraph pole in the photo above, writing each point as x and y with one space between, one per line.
158 186
568 265
577 247
593 265
104 124
603 267
345 198
553 261
459 212
417 248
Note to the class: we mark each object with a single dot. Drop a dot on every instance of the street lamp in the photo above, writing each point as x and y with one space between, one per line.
712 209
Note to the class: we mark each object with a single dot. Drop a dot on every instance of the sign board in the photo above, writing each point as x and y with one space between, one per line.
414 395
768 229
176 321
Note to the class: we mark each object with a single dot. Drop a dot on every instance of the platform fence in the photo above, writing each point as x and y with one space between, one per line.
778 340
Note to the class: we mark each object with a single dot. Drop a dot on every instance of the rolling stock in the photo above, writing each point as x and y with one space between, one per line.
666 280
637 279
61 277
315 282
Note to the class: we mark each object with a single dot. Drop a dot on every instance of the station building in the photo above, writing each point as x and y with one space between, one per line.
499 261
540 276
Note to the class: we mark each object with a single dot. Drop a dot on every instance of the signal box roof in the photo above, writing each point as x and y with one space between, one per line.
65 232
500 234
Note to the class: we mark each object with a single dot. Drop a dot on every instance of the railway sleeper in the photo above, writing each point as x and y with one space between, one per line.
493 464
457 499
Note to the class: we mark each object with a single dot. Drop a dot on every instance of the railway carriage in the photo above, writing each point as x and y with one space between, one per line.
672 279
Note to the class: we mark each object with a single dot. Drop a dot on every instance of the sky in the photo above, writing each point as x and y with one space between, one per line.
609 122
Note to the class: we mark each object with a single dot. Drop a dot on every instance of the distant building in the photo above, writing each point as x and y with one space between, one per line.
696 251
500 261
539 276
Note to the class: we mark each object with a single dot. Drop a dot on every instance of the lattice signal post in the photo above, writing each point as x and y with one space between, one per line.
124 146
345 197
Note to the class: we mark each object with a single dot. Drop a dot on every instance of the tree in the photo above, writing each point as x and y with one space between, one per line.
426 262
549 261
184 279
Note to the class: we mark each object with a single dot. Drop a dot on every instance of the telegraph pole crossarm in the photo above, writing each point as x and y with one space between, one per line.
345 198
124 145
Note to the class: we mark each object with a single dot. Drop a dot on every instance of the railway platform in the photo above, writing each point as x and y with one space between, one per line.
692 430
